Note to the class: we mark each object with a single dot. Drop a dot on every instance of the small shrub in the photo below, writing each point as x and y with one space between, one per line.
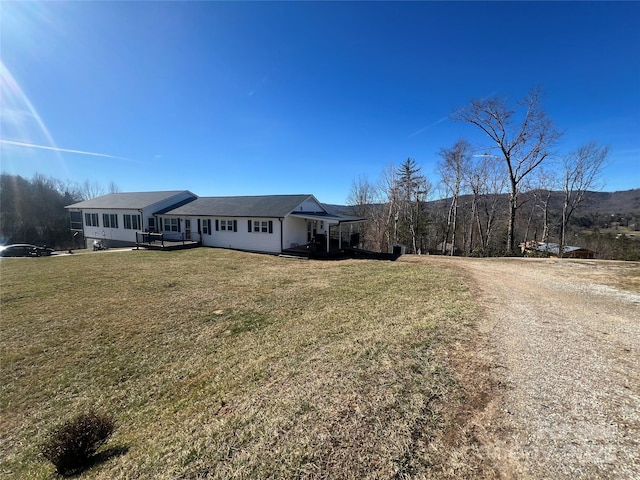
70 446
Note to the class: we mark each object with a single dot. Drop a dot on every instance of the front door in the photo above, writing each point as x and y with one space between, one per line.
187 229
311 231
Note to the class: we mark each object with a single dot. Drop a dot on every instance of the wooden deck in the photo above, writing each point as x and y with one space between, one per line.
168 245
159 241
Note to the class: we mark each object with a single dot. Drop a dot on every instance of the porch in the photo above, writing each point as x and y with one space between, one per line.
336 248
165 241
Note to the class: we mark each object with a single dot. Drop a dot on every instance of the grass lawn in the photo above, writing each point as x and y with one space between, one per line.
223 364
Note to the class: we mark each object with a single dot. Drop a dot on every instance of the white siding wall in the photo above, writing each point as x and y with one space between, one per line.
120 234
182 233
101 232
309 205
294 231
242 239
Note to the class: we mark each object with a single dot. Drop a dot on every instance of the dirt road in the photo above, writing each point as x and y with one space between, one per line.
560 342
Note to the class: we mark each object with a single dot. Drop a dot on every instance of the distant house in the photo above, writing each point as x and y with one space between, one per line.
268 223
553 250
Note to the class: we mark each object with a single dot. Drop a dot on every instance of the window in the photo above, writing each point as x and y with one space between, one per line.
152 224
76 220
229 225
110 220
131 222
260 226
171 225
206 226
91 219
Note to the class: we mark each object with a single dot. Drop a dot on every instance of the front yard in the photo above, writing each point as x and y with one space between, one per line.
223 364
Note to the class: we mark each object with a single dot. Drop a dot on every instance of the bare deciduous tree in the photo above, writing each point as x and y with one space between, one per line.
580 173
546 184
389 196
453 168
523 141
364 198
89 190
487 182
113 187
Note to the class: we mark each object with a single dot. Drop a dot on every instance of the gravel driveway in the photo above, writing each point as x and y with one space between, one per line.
561 342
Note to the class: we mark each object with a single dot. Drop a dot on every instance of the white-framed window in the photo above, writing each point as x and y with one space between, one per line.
91 219
131 222
206 226
110 220
171 225
260 226
226 225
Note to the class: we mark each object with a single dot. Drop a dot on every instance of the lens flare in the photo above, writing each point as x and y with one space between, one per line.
18 113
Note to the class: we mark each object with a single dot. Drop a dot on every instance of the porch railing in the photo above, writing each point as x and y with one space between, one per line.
152 238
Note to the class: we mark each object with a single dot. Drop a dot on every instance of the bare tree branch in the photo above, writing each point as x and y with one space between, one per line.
524 143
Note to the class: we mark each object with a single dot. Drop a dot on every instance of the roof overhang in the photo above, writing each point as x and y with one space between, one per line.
327 217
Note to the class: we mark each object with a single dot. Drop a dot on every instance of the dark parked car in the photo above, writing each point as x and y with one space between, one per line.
24 250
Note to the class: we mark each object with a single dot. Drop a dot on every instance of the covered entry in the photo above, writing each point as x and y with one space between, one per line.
328 232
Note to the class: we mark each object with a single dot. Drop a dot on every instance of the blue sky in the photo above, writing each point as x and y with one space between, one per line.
231 98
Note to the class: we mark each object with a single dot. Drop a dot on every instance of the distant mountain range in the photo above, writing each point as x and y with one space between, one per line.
623 203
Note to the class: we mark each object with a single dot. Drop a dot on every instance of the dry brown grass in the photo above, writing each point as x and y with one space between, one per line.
552 373
221 364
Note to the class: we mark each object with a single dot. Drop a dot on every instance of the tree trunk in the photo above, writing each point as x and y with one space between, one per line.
513 206
563 225
455 221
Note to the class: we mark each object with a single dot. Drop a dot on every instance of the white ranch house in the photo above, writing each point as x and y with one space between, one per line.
268 223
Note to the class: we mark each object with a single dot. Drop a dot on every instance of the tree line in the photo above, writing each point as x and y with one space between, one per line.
495 195
32 210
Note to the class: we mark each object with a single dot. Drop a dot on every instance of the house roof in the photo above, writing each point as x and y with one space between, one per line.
327 216
252 206
554 248
130 200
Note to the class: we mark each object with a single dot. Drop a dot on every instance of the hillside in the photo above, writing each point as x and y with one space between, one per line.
606 206
623 202
626 201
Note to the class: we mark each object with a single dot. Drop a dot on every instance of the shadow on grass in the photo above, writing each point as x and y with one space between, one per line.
96 459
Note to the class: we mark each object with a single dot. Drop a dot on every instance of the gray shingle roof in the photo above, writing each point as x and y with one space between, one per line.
129 201
255 206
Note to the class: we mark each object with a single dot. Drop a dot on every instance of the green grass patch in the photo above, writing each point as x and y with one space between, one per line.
224 364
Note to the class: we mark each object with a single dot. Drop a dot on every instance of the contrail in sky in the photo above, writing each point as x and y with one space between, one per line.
56 149
428 126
